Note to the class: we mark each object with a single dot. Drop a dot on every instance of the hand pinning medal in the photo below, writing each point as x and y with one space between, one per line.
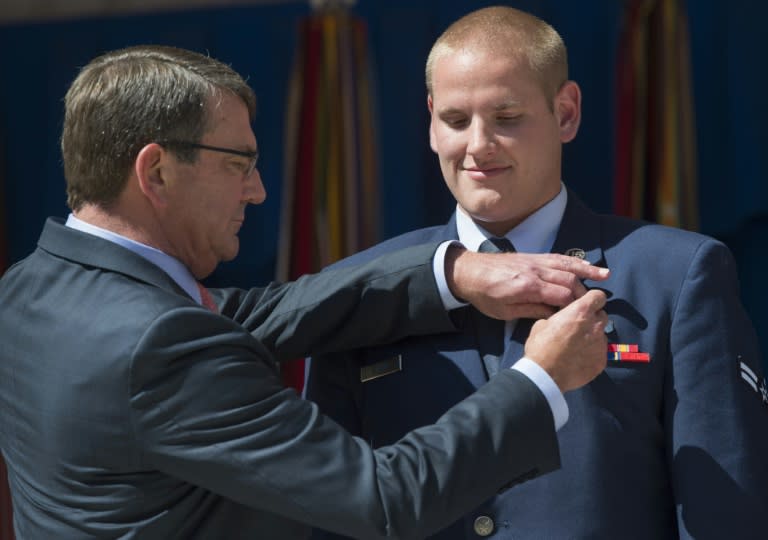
581 254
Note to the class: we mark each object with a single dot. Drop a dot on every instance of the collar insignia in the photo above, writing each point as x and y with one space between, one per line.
576 252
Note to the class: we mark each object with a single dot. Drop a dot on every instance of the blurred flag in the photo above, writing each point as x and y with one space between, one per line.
655 176
330 190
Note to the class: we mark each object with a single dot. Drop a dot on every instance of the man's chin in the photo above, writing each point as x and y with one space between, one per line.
484 212
232 252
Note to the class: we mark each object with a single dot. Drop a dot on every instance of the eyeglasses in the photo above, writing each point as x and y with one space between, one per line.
252 156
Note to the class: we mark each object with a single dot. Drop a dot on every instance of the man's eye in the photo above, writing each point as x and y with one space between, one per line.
241 165
456 122
509 119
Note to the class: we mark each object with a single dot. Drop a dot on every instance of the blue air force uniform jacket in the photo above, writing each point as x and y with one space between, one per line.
672 447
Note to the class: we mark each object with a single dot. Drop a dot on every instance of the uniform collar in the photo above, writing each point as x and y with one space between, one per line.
536 234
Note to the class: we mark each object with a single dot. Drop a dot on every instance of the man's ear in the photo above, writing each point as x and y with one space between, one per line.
432 141
151 166
567 108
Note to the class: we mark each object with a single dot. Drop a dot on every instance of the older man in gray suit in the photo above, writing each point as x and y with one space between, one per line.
129 410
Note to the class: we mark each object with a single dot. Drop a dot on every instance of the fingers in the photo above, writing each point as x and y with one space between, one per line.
589 308
591 305
593 300
552 279
602 322
571 344
545 290
558 290
529 311
515 285
578 289
581 268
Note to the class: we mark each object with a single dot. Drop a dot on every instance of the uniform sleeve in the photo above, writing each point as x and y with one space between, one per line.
208 408
343 308
715 414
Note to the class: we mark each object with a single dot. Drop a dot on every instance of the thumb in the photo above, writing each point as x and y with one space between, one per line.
592 302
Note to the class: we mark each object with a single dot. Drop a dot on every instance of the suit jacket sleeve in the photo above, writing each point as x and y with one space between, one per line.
716 421
330 386
381 301
209 408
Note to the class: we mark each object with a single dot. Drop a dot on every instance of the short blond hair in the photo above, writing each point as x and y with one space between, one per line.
502 30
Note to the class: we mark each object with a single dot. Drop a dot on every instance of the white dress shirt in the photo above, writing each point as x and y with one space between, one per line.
172 266
534 235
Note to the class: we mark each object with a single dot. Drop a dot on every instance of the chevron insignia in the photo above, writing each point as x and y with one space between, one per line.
761 387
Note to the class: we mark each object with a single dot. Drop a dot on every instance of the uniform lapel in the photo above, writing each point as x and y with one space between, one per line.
464 352
578 235
516 347
579 232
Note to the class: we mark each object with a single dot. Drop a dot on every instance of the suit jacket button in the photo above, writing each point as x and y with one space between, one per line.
483 526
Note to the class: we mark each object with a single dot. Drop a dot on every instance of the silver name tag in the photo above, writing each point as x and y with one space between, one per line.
381 368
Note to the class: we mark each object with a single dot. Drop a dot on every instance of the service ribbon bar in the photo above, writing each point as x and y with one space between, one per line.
622 347
622 352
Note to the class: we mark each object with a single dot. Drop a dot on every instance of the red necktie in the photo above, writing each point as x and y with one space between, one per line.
206 298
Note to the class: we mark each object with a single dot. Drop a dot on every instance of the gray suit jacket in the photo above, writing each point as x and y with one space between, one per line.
128 411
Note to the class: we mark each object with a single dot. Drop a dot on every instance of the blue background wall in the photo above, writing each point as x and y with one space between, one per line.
38 62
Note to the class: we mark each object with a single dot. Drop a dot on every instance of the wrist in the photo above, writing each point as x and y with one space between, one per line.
454 276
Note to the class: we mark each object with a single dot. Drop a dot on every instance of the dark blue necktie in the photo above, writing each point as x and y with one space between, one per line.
496 245
490 331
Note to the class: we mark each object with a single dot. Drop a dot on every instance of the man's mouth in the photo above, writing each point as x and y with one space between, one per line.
484 173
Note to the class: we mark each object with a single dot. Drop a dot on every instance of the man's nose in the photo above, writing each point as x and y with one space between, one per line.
482 139
253 188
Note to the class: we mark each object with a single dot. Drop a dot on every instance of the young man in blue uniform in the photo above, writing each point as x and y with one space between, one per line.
669 441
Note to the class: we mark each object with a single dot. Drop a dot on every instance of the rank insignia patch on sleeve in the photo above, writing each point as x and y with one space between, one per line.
754 381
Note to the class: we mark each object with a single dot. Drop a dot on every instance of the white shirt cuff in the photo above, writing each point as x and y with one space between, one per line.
438 267
551 391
